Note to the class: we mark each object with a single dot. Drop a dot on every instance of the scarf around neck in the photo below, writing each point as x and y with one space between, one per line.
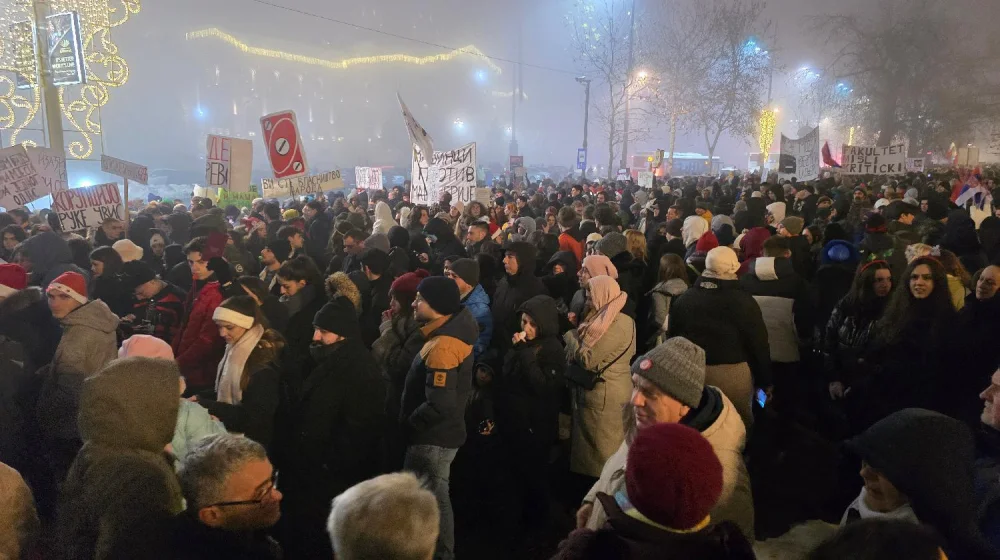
234 361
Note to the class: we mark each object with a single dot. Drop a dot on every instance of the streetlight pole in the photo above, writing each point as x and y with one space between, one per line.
628 78
50 95
586 117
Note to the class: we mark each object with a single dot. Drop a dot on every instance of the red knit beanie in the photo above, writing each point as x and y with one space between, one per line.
71 284
706 242
12 279
406 285
672 475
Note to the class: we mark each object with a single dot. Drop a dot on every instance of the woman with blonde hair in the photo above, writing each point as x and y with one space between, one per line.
636 245
602 346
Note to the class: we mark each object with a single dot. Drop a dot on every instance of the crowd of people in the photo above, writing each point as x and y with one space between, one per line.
627 369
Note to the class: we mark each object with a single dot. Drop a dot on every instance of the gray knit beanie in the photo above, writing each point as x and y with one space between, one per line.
677 367
612 244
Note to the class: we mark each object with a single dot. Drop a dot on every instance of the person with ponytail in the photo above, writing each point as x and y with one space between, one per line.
247 385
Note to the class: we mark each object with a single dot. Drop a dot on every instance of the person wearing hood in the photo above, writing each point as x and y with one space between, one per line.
330 434
319 226
838 265
198 346
528 403
792 228
787 307
691 232
903 481
383 218
775 214
436 389
724 229
672 281
88 343
121 493
519 285
603 345
717 315
44 257
401 258
669 388
960 238
303 295
443 244
879 245
696 260
465 273
561 279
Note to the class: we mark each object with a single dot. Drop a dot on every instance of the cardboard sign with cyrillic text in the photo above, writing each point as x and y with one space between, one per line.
19 182
88 207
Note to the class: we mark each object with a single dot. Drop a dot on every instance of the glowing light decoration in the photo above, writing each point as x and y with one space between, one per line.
106 69
766 125
343 64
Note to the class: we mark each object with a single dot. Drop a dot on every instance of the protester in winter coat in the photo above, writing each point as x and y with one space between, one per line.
44 257
692 232
198 346
303 295
570 238
836 272
879 245
121 492
436 388
383 218
672 281
274 311
561 280
319 226
465 273
331 431
19 524
528 403
603 344
696 260
960 238
664 510
978 323
792 229
909 353
669 387
158 307
903 481
108 282
25 316
727 323
375 300
519 285
443 244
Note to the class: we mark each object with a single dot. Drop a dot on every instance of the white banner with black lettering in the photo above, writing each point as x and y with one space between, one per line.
800 157
874 160
453 171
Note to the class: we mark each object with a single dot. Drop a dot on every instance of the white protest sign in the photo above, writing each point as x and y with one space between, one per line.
453 171
368 178
313 184
799 158
228 163
19 181
915 164
483 196
877 160
646 179
51 167
622 175
125 169
763 175
87 207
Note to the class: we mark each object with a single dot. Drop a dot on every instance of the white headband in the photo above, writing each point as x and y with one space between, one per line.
235 317
64 289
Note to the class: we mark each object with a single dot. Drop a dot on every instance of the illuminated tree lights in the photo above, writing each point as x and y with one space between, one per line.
342 64
106 69
766 125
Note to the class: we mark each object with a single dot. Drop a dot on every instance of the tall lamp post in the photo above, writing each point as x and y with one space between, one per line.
586 115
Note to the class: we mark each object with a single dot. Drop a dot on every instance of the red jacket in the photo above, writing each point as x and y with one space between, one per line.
199 347
568 243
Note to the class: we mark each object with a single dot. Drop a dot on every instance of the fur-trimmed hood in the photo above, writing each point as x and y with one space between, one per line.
340 284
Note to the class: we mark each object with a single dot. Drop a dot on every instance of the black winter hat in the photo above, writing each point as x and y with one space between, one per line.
467 270
339 317
137 273
399 237
441 294
281 249
375 259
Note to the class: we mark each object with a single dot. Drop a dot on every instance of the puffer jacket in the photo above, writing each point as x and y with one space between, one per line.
50 256
438 383
88 343
597 414
785 303
121 492
717 420
199 347
478 303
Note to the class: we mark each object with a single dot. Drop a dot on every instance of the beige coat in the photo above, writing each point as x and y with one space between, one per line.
597 415
19 526
727 437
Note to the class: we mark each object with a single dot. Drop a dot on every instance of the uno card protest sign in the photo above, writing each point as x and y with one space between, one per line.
874 160
453 171
19 181
368 178
284 145
228 163
88 207
800 157
51 167
298 186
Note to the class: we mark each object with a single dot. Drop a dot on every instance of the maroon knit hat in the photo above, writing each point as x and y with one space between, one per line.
672 475
406 285
706 242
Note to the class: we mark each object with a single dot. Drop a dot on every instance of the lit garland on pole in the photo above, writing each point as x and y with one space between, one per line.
768 121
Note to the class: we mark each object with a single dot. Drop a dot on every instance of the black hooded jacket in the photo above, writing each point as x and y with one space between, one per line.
512 292
447 244
562 286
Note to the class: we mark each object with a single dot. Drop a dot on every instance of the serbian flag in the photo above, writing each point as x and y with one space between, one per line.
972 189
827 157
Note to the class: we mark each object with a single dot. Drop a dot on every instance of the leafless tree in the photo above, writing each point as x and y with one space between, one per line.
911 70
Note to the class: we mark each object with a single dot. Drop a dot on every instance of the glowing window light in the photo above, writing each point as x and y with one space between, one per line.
215 33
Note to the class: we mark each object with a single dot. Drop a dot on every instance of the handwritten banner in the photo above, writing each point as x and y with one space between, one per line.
125 169
368 178
19 181
877 160
87 207
238 199
453 171
228 163
50 164
313 184
800 157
